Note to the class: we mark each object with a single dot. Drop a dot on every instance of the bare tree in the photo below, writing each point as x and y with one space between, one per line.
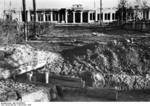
123 3
142 3
122 11
145 3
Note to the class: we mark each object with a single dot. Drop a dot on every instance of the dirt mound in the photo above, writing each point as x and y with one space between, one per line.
124 65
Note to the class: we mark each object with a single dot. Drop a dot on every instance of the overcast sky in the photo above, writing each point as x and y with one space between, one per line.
57 3
88 4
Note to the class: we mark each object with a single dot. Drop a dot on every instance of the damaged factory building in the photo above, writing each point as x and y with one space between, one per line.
77 14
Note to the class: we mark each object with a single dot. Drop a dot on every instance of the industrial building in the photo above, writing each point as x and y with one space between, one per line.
76 15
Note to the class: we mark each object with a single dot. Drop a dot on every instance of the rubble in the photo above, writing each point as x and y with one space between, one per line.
12 91
124 65
19 59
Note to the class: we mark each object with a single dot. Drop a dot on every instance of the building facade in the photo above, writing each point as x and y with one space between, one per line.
76 15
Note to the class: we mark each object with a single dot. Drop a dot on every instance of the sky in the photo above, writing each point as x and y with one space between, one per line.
57 3
87 4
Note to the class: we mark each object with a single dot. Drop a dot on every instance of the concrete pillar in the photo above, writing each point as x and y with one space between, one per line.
111 17
51 16
66 16
88 17
47 77
58 17
96 18
103 17
36 17
29 16
44 17
81 17
74 17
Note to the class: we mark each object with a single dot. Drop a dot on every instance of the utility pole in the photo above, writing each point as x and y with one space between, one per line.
10 4
101 12
94 5
34 10
4 11
24 18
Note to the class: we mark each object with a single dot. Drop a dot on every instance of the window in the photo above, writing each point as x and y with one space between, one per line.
32 17
48 17
100 16
40 17
113 16
107 16
55 16
91 16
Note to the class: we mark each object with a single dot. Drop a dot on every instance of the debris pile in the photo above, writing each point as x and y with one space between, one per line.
19 59
14 91
122 65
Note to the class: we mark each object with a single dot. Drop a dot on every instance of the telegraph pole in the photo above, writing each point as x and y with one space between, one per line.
24 18
4 11
94 5
34 10
101 12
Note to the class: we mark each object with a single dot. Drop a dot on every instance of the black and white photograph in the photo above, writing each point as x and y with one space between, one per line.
74 51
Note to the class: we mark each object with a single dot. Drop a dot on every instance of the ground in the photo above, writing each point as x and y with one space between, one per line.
62 38
65 38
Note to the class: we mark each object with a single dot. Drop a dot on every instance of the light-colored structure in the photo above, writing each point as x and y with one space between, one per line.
75 15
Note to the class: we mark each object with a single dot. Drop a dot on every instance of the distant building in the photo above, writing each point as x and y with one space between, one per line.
13 15
76 14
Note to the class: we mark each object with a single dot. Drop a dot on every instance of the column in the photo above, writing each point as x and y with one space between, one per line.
29 16
88 17
51 16
81 17
58 17
36 17
96 19
66 16
103 17
110 17
44 17
74 17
